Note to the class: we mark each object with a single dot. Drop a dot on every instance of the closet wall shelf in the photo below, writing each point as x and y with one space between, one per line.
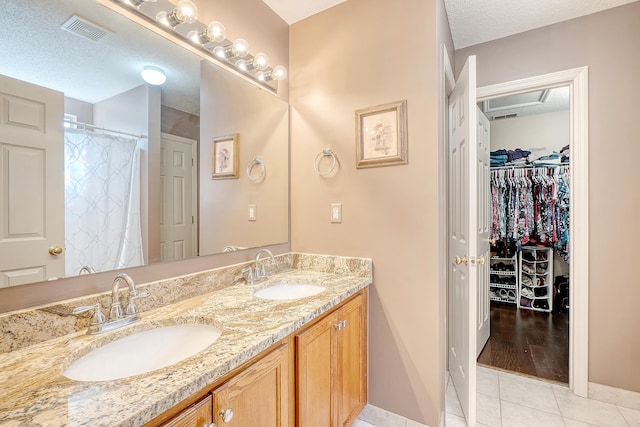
502 286
502 273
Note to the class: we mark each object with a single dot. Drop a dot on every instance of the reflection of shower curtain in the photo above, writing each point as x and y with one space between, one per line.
102 201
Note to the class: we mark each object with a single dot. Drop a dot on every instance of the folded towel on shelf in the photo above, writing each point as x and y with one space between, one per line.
517 154
537 153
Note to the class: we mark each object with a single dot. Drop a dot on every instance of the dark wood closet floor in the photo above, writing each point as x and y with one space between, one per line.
528 342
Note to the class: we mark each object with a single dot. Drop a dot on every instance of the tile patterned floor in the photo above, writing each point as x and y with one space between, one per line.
508 400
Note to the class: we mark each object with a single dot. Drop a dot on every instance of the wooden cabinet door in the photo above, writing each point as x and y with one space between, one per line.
314 375
331 367
351 360
198 415
258 396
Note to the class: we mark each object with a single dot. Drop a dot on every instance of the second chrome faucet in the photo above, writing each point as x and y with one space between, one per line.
100 323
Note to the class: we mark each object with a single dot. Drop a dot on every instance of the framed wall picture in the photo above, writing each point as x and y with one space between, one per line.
381 135
225 157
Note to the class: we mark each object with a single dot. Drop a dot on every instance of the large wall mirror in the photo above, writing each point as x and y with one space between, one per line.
100 170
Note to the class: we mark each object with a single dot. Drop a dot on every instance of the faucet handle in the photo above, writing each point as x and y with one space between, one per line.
98 316
249 274
131 306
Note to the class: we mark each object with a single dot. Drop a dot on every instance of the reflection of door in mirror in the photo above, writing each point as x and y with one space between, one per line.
178 197
31 156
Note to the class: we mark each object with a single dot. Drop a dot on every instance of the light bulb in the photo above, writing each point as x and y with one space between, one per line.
216 31
240 48
194 36
220 52
188 10
242 64
261 61
260 75
162 17
279 72
153 75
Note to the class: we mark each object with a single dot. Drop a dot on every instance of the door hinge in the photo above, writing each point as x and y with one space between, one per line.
193 221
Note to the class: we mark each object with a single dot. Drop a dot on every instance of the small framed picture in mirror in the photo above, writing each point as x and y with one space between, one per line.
381 135
225 157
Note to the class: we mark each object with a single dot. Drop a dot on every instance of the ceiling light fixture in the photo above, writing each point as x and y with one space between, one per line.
185 12
259 62
138 3
210 40
153 75
278 73
215 32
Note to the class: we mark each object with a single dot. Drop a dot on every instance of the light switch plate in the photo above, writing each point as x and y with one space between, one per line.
253 213
336 212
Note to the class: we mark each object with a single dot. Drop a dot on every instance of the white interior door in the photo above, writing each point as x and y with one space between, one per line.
484 230
31 183
463 217
178 198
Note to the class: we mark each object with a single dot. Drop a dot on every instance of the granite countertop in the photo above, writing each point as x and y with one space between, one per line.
33 391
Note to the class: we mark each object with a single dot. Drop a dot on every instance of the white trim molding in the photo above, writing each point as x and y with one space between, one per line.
577 80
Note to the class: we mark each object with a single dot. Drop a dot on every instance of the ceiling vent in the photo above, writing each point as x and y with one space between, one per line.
83 28
505 116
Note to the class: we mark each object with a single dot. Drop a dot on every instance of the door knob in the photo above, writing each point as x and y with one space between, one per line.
464 260
481 260
55 250
226 414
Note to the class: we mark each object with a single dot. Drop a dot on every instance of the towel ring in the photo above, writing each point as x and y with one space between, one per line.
260 175
327 152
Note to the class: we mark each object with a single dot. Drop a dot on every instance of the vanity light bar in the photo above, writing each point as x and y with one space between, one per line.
211 39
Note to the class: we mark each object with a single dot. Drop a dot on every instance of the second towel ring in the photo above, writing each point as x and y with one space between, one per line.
326 152
256 161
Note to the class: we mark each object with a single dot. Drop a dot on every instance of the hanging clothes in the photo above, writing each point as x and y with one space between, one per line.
531 205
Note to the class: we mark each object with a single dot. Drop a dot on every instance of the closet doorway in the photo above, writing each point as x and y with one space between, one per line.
530 136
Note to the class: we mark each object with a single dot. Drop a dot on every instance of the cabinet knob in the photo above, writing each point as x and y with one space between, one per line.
55 250
226 414
481 260
341 324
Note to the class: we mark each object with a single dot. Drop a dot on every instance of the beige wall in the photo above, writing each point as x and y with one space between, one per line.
359 54
607 43
549 130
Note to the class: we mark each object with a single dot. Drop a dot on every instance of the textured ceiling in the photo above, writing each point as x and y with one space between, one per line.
479 21
35 49
296 10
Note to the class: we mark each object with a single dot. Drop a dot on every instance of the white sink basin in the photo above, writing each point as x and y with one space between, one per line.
289 291
143 352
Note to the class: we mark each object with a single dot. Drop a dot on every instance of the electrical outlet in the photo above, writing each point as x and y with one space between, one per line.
336 212
253 213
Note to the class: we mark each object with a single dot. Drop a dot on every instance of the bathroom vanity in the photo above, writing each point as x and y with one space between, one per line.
276 362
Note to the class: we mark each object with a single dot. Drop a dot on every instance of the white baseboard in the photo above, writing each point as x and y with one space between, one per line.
616 396
382 418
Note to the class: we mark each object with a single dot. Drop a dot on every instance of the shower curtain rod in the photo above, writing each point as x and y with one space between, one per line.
528 166
87 125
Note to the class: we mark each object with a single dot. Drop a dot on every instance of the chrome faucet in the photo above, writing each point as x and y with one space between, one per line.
86 269
260 272
268 252
99 323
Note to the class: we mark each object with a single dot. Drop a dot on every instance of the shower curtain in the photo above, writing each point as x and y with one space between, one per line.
102 201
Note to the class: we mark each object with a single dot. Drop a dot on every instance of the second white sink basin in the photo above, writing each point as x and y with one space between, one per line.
143 352
289 291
